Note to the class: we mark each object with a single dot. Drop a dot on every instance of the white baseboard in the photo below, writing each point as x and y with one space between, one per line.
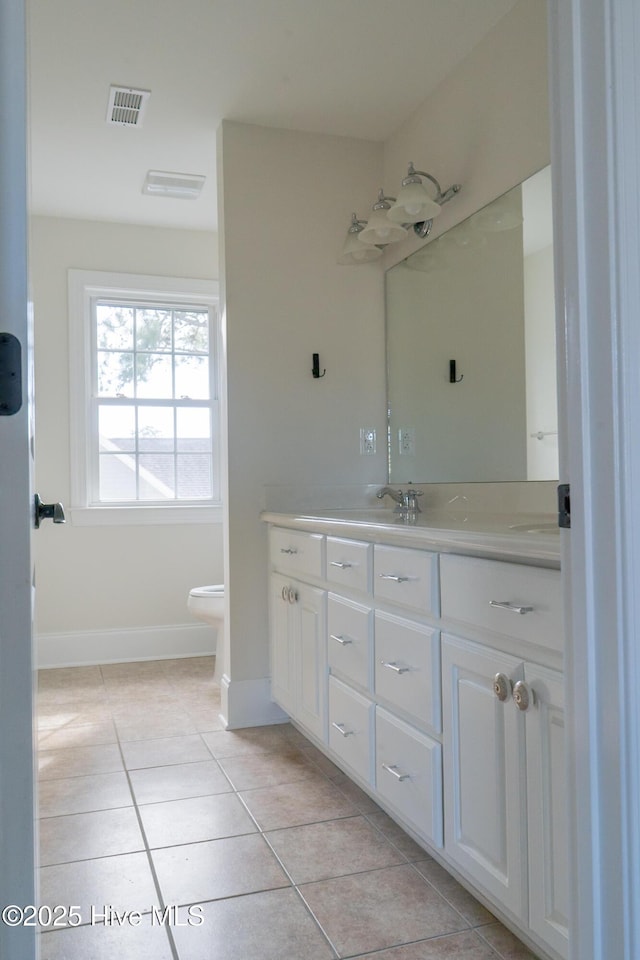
248 703
84 647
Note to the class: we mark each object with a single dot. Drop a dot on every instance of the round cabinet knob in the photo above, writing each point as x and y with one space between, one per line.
293 595
285 594
502 687
522 696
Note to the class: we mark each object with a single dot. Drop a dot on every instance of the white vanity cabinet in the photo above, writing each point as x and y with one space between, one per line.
401 663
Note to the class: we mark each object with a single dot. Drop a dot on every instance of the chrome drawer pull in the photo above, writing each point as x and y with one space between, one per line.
342 640
395 667
337 563
288 550
341 730
393 770
511 607
390 576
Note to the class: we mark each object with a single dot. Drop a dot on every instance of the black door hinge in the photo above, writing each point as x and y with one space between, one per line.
10 375
564 505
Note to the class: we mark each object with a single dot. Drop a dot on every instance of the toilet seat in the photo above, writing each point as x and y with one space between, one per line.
214 590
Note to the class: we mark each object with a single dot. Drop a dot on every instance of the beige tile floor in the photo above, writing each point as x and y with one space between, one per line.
147 803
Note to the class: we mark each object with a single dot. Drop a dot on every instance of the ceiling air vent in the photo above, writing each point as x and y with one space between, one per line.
127 106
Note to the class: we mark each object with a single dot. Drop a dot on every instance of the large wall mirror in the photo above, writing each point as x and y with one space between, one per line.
481 295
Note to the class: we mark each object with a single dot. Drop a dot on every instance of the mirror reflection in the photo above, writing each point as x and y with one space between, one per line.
471 361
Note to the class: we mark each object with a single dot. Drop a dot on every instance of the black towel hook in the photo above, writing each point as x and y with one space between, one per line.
452 373
315 370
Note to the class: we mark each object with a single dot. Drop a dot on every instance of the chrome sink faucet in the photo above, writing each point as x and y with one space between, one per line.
407 500
396 495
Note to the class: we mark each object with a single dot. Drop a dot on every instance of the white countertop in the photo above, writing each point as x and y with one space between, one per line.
514 537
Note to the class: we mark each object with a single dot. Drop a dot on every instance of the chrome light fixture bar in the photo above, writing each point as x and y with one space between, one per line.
391 217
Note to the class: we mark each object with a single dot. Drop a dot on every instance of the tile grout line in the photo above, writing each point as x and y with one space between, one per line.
147 851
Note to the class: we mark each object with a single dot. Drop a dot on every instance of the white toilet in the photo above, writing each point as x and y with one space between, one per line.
207 604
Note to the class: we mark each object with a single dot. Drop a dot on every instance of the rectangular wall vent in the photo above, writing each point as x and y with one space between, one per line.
182 186
127 106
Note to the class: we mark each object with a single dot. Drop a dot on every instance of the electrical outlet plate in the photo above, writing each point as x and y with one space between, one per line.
367 441
407 441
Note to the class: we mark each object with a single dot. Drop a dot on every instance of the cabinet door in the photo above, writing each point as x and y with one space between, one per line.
311 658
547 812
298 652
283 687
484 771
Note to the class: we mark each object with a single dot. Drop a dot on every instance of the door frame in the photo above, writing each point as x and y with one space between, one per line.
17 799
595 120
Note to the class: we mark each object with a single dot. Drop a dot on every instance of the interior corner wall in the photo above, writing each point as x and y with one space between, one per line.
102 579
486 126
286 199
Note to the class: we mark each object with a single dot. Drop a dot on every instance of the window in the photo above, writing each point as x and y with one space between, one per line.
144 411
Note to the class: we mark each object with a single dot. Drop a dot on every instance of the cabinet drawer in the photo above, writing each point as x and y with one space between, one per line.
349 563
407 667
407 577
351 727
296 552
470 586
409 774
349 644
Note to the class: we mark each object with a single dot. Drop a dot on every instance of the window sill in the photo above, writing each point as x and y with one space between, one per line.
142 516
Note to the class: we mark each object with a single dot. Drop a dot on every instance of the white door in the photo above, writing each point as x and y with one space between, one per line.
17 813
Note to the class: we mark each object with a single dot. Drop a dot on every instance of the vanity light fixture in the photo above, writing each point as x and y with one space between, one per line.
380 229
354 251
414 203
391 217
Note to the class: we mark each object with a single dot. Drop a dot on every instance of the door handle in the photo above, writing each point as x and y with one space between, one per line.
48 511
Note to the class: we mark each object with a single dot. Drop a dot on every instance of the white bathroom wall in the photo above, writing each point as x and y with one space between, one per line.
106 592
286 199
485 127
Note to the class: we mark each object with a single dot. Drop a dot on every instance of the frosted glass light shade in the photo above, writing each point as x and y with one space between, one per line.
354 251
413 205
498 216
381 230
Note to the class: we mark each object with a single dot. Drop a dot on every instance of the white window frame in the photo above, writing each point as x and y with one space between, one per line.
85 287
